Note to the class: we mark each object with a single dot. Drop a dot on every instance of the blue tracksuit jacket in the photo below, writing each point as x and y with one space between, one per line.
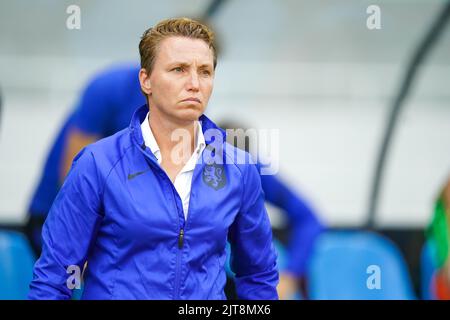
119 211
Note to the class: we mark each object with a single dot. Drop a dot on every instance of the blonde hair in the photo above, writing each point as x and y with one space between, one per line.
181 27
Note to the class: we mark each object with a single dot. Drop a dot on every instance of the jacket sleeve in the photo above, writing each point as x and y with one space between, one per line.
304 224
253 256
69 231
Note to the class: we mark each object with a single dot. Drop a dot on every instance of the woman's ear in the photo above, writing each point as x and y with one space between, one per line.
144 80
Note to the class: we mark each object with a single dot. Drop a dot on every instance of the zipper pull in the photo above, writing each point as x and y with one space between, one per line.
180 239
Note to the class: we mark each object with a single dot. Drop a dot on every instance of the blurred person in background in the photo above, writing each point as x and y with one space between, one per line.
105 107
438 233
303 224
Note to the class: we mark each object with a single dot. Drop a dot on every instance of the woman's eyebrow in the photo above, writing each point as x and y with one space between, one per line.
206 65
186 64
179 63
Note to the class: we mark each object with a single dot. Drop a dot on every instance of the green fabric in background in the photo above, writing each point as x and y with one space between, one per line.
438 232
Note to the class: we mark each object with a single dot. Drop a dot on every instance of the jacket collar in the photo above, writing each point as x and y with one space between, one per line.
140 114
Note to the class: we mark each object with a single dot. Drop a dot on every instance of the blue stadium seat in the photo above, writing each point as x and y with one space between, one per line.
427 269
16 265
357 265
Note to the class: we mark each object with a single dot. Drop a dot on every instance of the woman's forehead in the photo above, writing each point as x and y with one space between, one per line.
185 50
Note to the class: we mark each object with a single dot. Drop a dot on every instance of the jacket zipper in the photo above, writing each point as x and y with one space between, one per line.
178 266
180 247
180 242
180 239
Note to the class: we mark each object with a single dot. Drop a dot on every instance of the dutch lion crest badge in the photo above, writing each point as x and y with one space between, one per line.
214 176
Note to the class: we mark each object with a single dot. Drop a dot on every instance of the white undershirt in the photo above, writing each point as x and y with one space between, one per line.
183 180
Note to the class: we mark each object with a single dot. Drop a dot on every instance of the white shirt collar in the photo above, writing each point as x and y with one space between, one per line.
149 138
150 141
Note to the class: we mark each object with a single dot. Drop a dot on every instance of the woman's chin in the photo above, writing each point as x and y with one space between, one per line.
190 113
